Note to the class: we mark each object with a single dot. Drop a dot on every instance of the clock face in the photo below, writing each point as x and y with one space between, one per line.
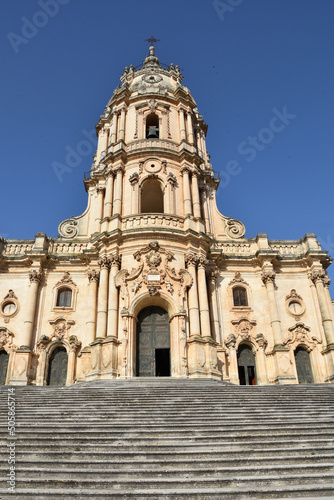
295 307
9 308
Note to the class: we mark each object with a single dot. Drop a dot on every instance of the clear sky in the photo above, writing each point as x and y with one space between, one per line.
245 62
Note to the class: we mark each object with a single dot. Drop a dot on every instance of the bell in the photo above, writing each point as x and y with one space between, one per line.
153 132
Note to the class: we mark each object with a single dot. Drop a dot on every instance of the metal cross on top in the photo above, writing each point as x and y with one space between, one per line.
152 39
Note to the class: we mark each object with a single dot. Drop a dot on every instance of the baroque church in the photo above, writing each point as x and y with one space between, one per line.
152 280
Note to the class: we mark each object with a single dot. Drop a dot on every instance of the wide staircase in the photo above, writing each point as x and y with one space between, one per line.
170 439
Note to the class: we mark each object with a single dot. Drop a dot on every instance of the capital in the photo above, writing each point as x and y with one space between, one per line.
191 259
35 276
317 276
104 262
268 277
115 261
93 276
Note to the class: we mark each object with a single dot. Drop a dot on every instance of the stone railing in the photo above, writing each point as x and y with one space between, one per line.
287 249
68 248
244 248
18 248
152 143
152 220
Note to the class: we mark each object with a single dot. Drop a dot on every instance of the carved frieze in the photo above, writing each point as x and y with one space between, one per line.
60 326
301 334
6 340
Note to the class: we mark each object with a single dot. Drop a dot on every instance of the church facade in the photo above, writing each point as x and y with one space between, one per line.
152 280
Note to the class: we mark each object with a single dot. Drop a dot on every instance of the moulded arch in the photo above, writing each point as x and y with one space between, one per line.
146 300
249 342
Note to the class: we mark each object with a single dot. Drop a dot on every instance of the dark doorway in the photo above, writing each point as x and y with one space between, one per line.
246 365
303 366
162 362
4 357
153 343
58 367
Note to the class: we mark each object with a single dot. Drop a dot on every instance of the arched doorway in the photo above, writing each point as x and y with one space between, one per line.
4 357
246 365
303 366
57 372
153 343
152 197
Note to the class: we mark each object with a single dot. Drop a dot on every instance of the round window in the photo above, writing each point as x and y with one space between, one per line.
9 308
295 307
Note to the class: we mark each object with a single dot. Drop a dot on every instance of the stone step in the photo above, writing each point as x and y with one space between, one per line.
61 472
164 483
313 492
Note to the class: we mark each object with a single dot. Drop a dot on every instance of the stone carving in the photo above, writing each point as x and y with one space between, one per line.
133 179
293 295
235 228
93 276
66 280
6 340
68 228
106 356
317 276
60 327
191 259
238 280
261 341
243 326
152 269
301 334
104 262
231 341
10 295
268 276
75 344
35 276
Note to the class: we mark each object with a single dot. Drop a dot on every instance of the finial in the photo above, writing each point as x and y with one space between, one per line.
152 40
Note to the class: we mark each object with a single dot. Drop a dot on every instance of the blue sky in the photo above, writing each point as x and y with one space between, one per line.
245 62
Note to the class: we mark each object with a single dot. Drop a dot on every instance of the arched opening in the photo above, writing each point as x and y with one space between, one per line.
64 297
303 366
4 358
152 126
152 197
153 343
246 365
239 296
57 371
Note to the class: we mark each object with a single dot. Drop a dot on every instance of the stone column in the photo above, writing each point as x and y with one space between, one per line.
318 277
195 330
203 145
102 306
203 299
261 364
233 359
199 143
72 360
113 297
118 191
113 130
195 195
109 195
35 279
186 191
122 125
268 278
204 195
213 306
102 143
182 126
98 209
190 129
93 277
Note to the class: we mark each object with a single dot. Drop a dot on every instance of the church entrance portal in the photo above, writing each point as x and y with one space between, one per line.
153 343
246 365
58 367
303 365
